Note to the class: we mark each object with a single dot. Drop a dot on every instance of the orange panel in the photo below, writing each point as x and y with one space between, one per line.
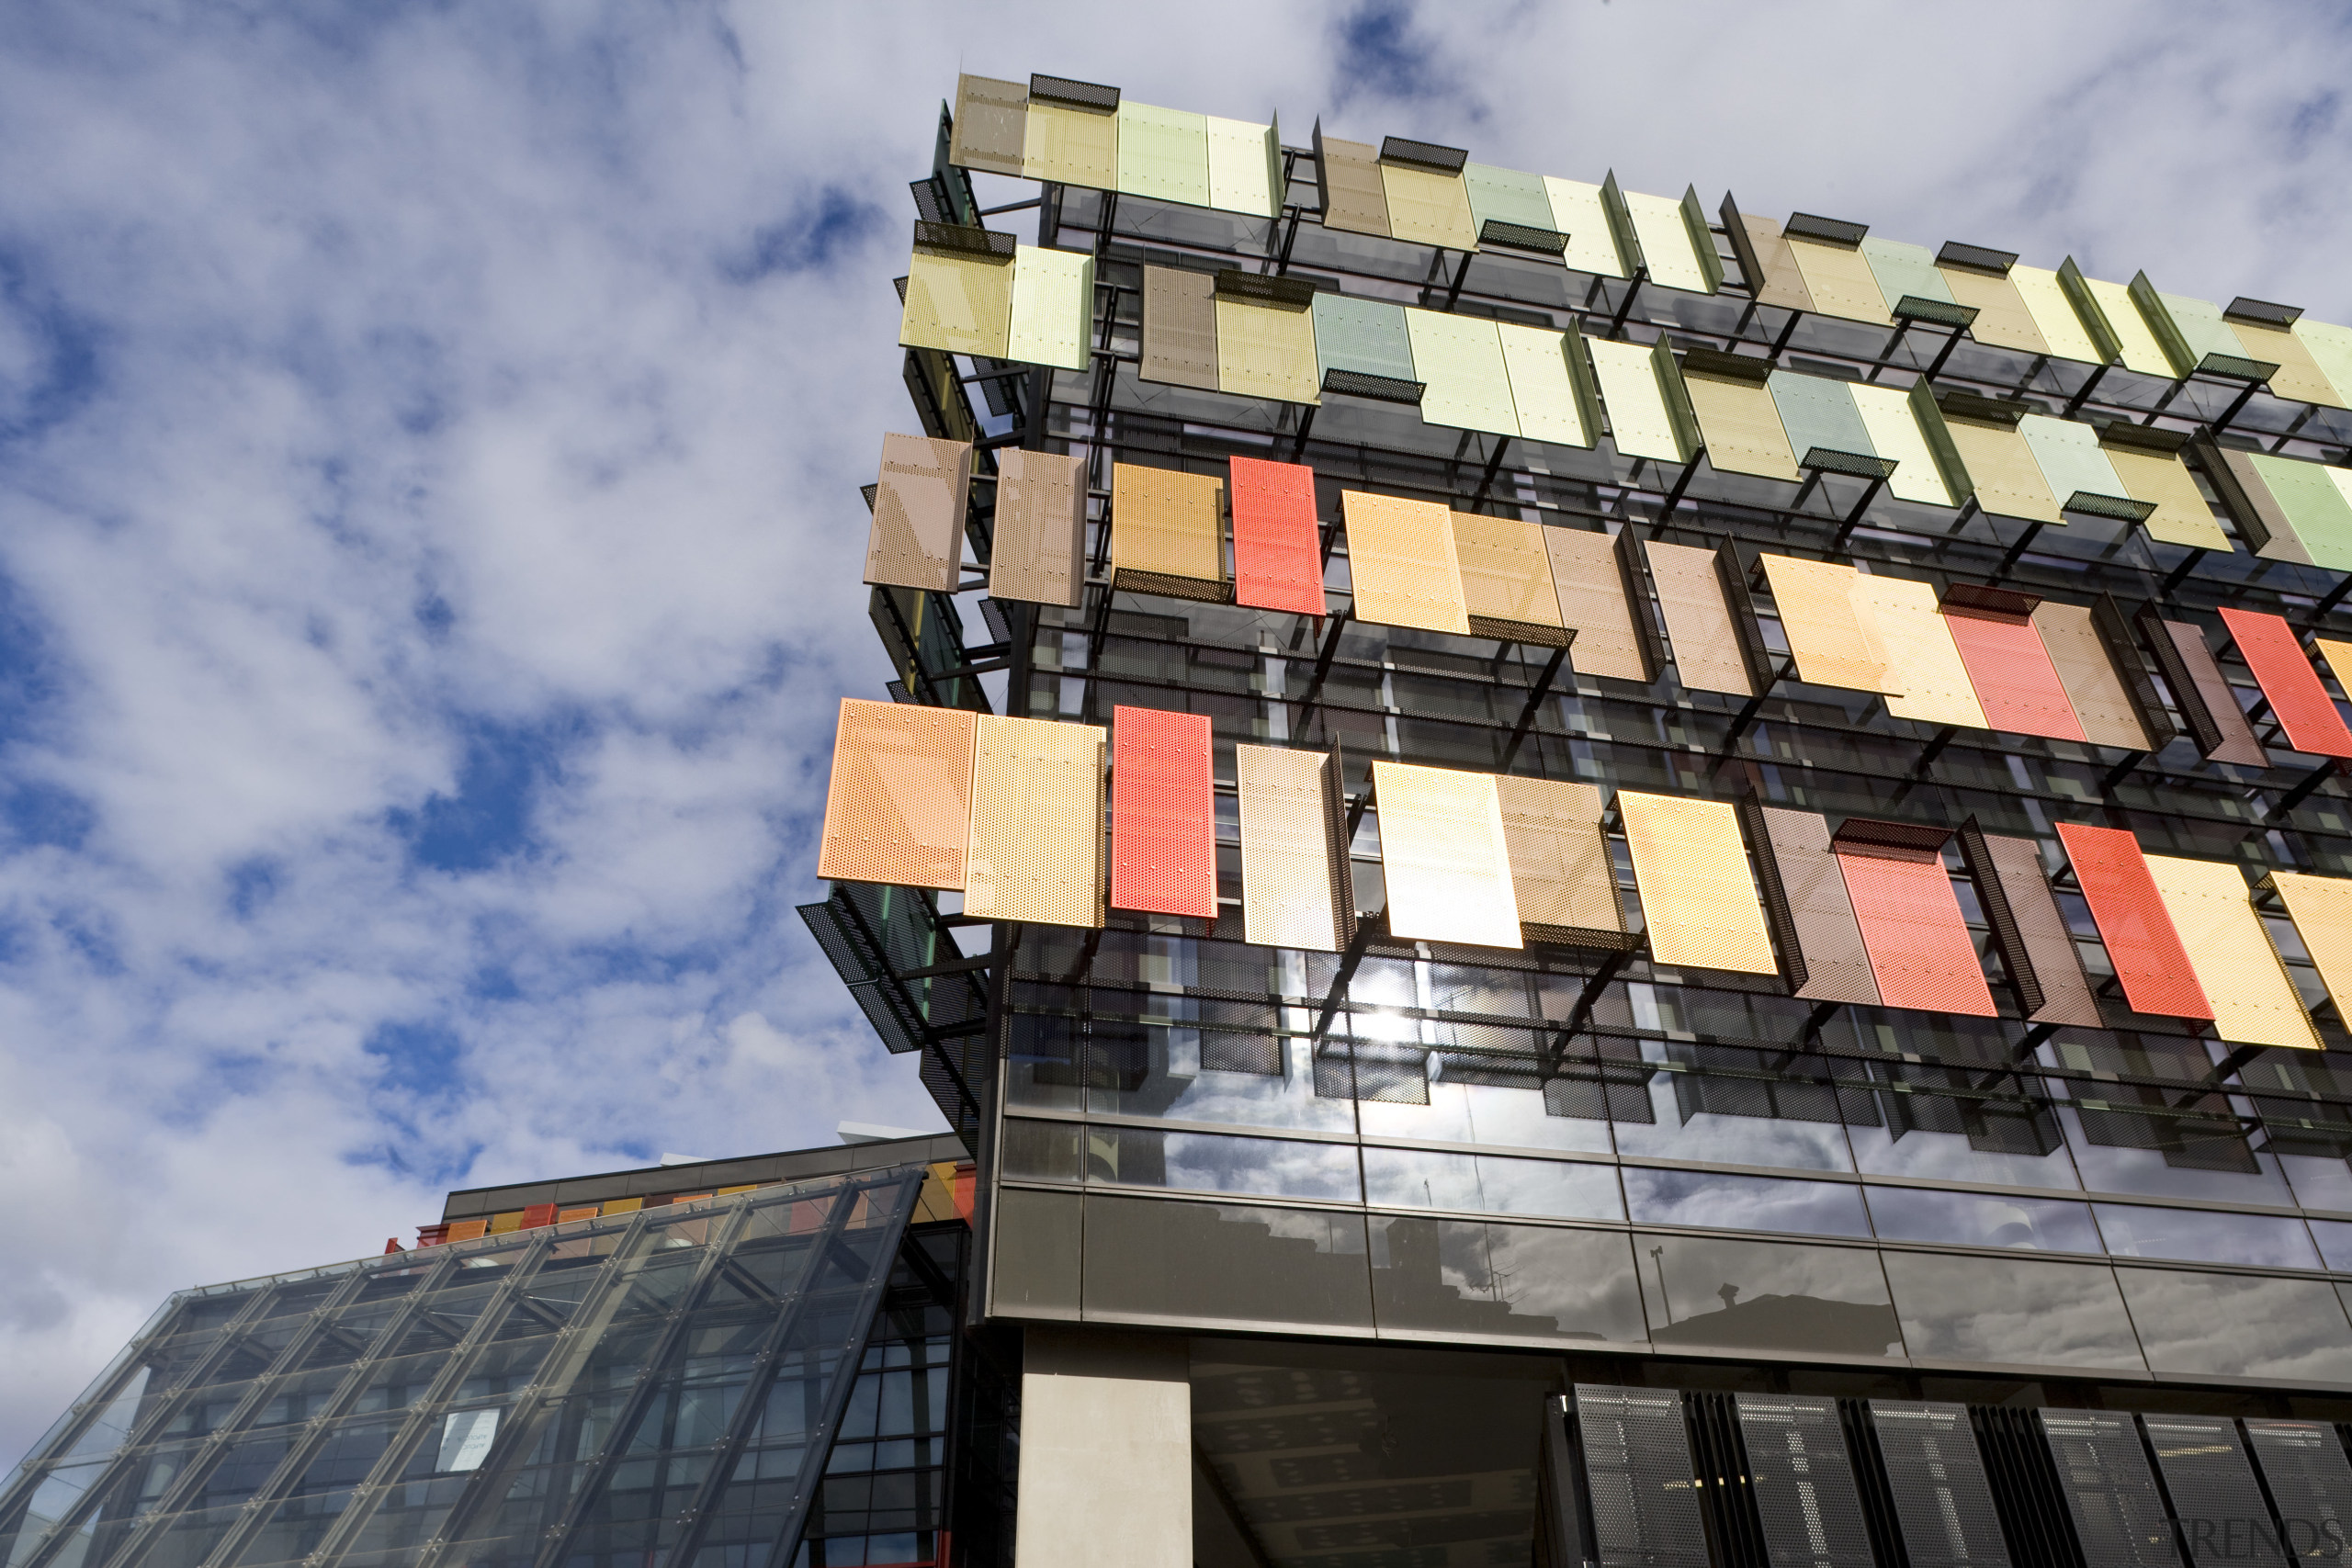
1920 950
2130 910
2015 684
900 808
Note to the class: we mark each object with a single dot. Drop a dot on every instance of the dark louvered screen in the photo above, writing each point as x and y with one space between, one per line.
2111 1492
2214 1496
1803 1481
1638 1472
1936 1475
2311 1481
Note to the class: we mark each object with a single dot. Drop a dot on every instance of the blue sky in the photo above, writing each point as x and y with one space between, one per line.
429 442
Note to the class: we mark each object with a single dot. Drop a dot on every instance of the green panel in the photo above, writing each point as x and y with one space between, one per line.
2202 328
1929 416
2160 324
1238 181
1577 212
1621 224
1818 412
1551 389
1506 195
1363 335
1460 360
1666 242
1639 421
2134 340
2314 504
1053 298
2069 456
1903 269
1164 154
1703 239
2331 348
1895 433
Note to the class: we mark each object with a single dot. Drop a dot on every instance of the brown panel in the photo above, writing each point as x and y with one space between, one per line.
1036 845
1401 563
2002 318
1040 528
1167 533
1780 283
1698 620
1597 604
918 536
2029 934
1354 198
899 809
991 125
2203 693
1179 328
1290 896
1560 867
1821 946
2092 688
1507 578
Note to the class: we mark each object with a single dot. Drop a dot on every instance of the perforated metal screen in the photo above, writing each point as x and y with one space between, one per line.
2031 931
1588 572
2015 681
2141 942
1163 812
1936 1475
2305 710
2253 1000
1506 578
1444 856
1036 847
1179 328
1277 551
2321 908
2214 1494
1698 899
1698 619
2310 1480
1830 642
1561 877
1166 529
917 540
898 808
2111 1493
1040 528
1401 563
1832 963
2102 703
1804 1482
1637 1465
1287 896
1921 953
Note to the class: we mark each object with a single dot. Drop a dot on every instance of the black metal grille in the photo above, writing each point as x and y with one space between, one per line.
1937 1476
2263 311
1637 1467
2237 368
2111 1492
1079 95
2215 1499
1382 389
2113 506
1942 313
2026 1493
1859 465
1423 155
2309 1482
965 241
1803 1482
1522 237
1832 230
1234 284
1976 258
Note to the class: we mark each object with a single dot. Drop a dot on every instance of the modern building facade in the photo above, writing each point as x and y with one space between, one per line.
1588 880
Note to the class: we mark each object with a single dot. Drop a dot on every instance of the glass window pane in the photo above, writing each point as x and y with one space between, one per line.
2238 1326
2335 1238
1471 1278
1956 1156
1972 1219
1423 1179
2320 1181
1765 1296
2022 1314
1165 1261
1463 1109
1188 1074
1036 1255
1210 1162
2227 1171
2195 1235
1743 1202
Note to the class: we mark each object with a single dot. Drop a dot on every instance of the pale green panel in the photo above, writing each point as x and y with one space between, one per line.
1639 421
1459 361
1364 335
1818 412
2315 503
1894 433
2331 348
1577 213
2141 352
2069 455
2202 328
1903 269
1666 242
1544 384
2053 314
1506 195
1164 154
1053 295
1238 163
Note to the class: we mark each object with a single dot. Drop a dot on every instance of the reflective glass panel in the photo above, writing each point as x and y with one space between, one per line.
1476 1278
1168 1260
2239 1326
1423 1179
1213 1162
1743 1202
2197 1235
1975 1219
2335 1239
2020 1313
1762 1295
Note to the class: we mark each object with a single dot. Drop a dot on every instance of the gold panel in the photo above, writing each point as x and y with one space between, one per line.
1167 528
1179 328
2182 516
1561 873
1401 561
917 540
1506 575
899 809
2002 318
2339 664
1698 620
1589 574
1577 212
1428 208
1699 898
2053 315
1840 282
1040 532
1240 158
2230 950
991 125
1053 308
1639 423
1666 240
1072 146
1546 393
959 304
1266 351
1036 823
1921 656
1443 857
1459 362
2141 352
1287 851
2321 908
2097 694
2009 481
1741 427
2299 375
1826 636
1895 434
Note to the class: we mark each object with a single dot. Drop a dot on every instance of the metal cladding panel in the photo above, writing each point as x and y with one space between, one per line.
1459 361
1544 391
2182 516
1577 212
1643 1486
1666 242
1922 661
1267 351
1040 534
1426 208
2133 922
1053 306
2203 329
2055 314
1780 282
2029 931
1935 1473
2272 533
1561 873
1402 564
1164 154
1832 963
2253 1001
2015 681
917 540
2102 705
2338 656
2142 351
1698 901
2299 376
2009 481
1921 953
1444 856
991 125
2331 349
1840 282
1741 425
2321 516
1506 575
1036 850
1597 604
1832 644
1165 524
1818 412
1179 328
2118 1515
2297 700
2070 458
1164 814
1903 269
2334 548
1072 146
1803 1481
1277 547
1639 424
2207 1477
1287 897
899 809
1507 196
1363 335
2309 1479
1698 620
2204 695
1240 156
958 304
2003 318
1894 433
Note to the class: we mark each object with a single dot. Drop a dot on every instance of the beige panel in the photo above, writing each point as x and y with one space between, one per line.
1577 212
2299 375
1459 362
1165 528
1638 421
1741 427
958 304
898 808
1354 199
1666 242
2053 314
2009 481
1780 282
1506 575
2331 349
991 125
1179 328
2321 908
1543 387
2003 320
1036 849
917 539
1826 636
1039 534
1561 872
1239 164
1266 351
1429 208
1588 574
1072 146
1698 620
1895 434
2182 516
1840 282
2230 949
1287 900
1401 561
1698 899
2094 690
2141 352
1443 857
1106 1452
1921 657
1053 308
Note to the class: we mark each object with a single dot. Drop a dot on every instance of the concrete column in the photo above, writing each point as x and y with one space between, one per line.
1106 1452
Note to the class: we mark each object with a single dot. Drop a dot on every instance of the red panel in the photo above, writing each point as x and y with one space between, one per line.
1163 812
1277 547
2140 942
2301 704
536 1214
1921 953
2015 684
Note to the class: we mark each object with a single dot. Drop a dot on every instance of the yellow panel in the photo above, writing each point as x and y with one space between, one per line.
2339 664
1841 281
1401 561
1639 421
1238 167
1443 857
1428 208
1921 656
958 304
1164 154
2009 481
2181 516
2053 314
2331 349
1053 308
2321 908
1543 387
1894 434
1561 872
899 809
1698 619
1666 242
2230 949
2299 375
1697 897
1506 576
1072 146
1577 212
1828 638
1166 524
1459 361
1741 427
1287 851
1036 823
2141 352
1266 351
2003 320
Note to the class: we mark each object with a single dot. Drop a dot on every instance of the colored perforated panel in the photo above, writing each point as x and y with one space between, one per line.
1741 427
2182 516
2263 522
2015 684
899 809
957 303
1164 535
1164 154
2316 508
1401 563
2338 658
1698 619
1036 847
1459 361
991 125
1547 393
2102 705
2141 944
1699 902
2030 933
2119 1515
1507 196
1428 208
917 539
1819 412
1777 279
2071 460
1277 550
1923 664
1577 213
1040 530
1072 146
1921 953
1287 848
1053 303
2205 697
2299 376
1827 637
1639 424
1353 195
1935 1472
1444 856
1839 281
2055 315
1561 873
1803 1480
2321 908
1637 1464
2003 320
1596 602
1164 814
1667 248
1366 336
2009 481
1894 433
1266 350
1179 328
2253 1000
1506 578
2141 352
1245 161
1822 947
2297 700
2331 349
